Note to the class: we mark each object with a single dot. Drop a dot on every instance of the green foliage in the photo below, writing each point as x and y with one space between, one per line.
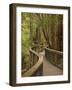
25 36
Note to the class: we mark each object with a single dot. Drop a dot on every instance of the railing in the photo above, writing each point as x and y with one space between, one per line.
36 65
55 57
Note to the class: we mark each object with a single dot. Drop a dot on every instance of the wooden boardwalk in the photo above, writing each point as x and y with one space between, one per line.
49 69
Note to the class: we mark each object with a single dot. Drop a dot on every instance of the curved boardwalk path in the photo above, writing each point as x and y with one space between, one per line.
48 68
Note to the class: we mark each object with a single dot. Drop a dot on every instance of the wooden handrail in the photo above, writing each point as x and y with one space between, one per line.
34 52
34 68
54 51
52 56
